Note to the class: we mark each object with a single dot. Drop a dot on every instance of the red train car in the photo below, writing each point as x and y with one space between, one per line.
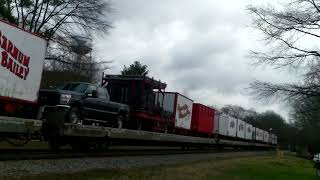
202 119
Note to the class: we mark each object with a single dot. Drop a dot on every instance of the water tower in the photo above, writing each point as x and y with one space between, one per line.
81 45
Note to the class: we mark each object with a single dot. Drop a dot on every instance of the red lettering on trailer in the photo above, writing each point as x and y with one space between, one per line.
13 59
14 53
4 58
10 47
26 72
20 57
9 65
26 60
4 43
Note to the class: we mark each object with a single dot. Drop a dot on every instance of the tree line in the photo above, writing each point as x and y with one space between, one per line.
291 32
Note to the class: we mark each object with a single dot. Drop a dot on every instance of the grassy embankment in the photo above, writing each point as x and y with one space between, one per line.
263 167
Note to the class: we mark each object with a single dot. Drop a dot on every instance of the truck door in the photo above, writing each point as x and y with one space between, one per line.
91 104
106 106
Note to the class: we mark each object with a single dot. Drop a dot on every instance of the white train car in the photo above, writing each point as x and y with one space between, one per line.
228 126
265 136
271 138
241 129
253 133
216 119
259 134
232 126
256 134
220 123
249 131
274 139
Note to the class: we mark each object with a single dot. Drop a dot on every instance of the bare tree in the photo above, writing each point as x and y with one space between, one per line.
287 32
234 111
59 21
59 18
291 33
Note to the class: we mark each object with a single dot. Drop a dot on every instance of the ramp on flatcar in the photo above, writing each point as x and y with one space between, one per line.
19 125
20 128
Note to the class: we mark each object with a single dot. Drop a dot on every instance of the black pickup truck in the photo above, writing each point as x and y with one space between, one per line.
86 104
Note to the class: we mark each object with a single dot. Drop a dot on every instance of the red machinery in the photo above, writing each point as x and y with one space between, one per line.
140 93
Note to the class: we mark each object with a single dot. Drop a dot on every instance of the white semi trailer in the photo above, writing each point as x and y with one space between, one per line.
22 56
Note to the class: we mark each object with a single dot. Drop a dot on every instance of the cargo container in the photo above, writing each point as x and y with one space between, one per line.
253 133
220 123
270 139
256 137
22 57
217 116
241 129
179 105
259 134
202 119
249 131
232 126
265 136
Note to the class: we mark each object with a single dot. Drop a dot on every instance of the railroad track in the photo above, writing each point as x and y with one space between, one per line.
36 154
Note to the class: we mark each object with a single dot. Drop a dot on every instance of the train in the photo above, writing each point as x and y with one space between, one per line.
153 114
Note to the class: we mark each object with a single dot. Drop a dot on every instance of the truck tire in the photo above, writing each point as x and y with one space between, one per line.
74 115
80 146
52 128
119 121
54 143
139 125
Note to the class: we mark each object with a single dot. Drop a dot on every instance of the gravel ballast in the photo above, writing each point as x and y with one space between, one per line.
35 167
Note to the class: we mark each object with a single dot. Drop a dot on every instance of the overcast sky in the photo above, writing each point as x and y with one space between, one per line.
198 47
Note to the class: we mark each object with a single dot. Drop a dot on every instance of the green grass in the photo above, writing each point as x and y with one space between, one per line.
264 167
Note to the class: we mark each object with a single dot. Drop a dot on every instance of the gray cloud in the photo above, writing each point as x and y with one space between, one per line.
198 47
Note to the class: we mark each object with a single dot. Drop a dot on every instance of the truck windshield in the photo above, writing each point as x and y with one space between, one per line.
77 87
